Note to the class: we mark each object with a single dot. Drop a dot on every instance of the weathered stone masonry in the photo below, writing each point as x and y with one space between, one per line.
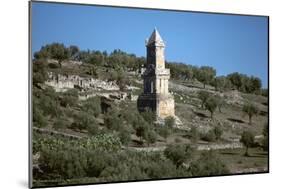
156 96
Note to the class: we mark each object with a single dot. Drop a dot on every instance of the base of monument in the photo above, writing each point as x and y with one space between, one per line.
162 104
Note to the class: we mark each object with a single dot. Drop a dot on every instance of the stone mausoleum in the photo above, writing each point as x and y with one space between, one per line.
156 96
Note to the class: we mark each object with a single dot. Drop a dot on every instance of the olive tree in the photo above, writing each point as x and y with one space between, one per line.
247 138
178 153
251 110
203 96
211 105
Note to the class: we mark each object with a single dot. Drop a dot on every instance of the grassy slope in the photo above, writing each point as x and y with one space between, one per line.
233 122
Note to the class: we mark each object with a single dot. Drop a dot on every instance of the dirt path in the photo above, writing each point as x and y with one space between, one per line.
52 132
199 147
251 170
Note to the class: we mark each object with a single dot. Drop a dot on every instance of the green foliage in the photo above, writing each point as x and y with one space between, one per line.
92 106
73 51
208 164
119 59
264 92
211 105
47 101
194 134
163 131
220 102
39 119
53 65
69 98
251 110
218 132
151 137
142 130
213 134
221 83
235 79
244 83
206 74
203 96
55 50
209 136
122 80
182 71
113 120
96 58
169 122
65 159
125 136
149 116
247 138
60 123
39 74
178 153
130 115
84 121
102 142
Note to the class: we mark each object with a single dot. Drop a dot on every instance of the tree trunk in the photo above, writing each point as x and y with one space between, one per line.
246 153
250 120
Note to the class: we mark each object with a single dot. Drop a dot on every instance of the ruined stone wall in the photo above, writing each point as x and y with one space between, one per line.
62 82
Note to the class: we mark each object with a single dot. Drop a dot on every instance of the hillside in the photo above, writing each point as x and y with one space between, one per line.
85 120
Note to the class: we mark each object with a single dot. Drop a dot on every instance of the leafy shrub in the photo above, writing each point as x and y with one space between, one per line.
142 131
84 121
218 132
125 136
39 74
149 116
251 110
151 136
211 105
247 138
60 123
92 106
113 120
76 159
39 120
55 50
48 103
163 131
178 153
169 122
203 96
208 164
53 65
69 98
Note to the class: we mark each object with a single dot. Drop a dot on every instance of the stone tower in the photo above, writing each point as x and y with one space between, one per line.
156 96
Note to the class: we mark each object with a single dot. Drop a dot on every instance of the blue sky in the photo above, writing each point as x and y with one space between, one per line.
229 43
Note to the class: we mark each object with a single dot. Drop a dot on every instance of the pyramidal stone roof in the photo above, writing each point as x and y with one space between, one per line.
155 39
